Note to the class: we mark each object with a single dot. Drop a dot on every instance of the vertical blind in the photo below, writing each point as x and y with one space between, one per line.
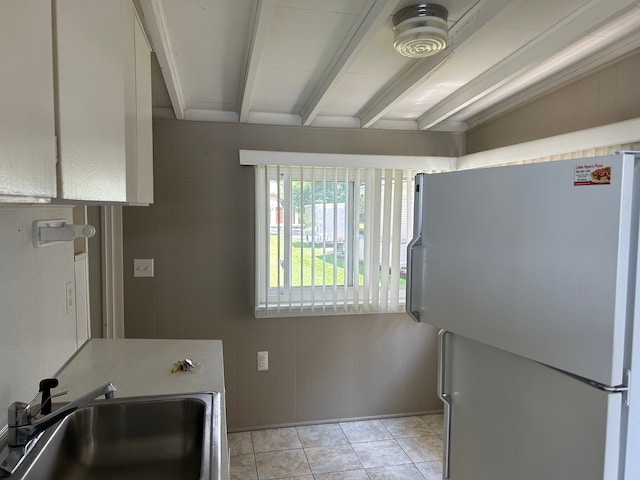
331 240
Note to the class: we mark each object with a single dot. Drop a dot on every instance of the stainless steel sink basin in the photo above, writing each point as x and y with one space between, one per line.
154 437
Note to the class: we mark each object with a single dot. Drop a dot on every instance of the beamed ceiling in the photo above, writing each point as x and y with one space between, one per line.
332 63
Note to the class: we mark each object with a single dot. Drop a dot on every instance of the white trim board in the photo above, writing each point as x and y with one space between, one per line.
112 272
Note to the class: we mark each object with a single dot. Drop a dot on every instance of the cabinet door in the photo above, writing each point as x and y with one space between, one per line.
27 136
137 55
91 117
143 117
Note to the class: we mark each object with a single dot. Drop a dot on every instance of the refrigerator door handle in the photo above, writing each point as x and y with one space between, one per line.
413 313
446 398
623 388
415 242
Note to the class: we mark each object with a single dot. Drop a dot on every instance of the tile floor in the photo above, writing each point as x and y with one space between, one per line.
407 448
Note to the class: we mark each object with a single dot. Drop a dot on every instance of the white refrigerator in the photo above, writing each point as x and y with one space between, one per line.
531 273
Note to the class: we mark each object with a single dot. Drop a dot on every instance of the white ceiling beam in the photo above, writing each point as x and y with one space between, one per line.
582 22
155 22
373 15
401 86
533 84
409 80
260 24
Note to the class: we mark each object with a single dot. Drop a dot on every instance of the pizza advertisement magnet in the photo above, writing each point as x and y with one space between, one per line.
592 174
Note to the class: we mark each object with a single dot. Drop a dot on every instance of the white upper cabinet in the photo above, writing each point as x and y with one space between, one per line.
78 70
91 119
27 137
138 122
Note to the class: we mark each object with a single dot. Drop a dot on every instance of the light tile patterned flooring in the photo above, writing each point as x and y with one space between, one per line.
407 448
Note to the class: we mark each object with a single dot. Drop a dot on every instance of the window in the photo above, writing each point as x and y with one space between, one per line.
331 240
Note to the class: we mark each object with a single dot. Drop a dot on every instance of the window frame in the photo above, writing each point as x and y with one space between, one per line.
373 296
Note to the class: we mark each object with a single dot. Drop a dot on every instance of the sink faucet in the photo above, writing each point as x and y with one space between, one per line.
25 427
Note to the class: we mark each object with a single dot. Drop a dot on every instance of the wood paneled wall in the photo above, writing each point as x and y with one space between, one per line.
200 232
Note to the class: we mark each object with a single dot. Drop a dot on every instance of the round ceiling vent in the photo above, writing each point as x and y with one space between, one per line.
420 30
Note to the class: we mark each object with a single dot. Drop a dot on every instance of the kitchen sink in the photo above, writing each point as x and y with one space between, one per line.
153 437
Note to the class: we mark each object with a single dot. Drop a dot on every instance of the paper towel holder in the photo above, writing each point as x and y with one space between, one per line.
51 232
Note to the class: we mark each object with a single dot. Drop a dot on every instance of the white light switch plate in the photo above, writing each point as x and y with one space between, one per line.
143 267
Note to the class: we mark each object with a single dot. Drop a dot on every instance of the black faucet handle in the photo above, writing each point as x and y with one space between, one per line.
45 387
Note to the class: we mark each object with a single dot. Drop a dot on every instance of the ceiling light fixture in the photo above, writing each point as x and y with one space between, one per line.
420 30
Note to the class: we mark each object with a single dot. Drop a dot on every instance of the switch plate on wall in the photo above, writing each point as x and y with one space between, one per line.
143 267
263 361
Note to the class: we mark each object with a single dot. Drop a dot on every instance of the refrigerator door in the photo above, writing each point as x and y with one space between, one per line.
533 260
415 257
512 418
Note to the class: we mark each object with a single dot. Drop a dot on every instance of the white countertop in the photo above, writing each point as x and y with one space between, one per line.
143 367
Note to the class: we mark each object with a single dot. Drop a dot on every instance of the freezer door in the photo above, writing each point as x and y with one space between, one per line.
532 260
512 418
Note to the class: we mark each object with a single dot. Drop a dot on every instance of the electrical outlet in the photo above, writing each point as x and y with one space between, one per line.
69 297
263 361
